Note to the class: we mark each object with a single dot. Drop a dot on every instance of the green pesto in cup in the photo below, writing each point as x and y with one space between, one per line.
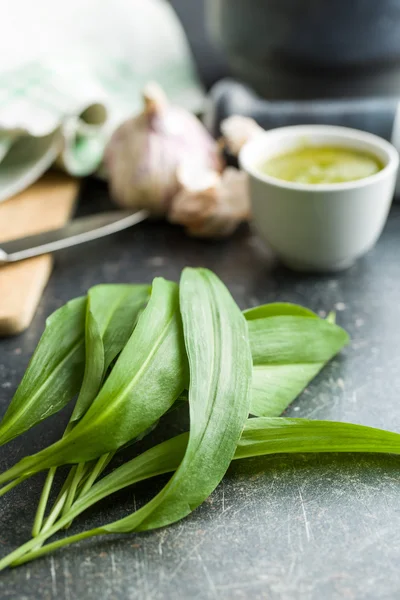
321 164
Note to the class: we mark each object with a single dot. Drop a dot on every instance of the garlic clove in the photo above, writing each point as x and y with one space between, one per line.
208 204
238 130
235 186
194 177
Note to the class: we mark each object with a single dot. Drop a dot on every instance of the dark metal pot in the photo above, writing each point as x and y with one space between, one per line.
311 48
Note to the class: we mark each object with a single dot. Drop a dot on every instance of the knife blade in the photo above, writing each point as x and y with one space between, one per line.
78 231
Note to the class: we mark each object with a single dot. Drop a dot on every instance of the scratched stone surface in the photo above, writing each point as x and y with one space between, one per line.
284 527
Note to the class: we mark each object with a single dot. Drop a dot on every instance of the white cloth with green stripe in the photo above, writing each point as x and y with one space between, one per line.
71 72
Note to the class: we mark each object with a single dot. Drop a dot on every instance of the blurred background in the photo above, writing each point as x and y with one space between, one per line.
69 75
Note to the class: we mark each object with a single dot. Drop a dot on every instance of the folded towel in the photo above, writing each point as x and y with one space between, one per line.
69 76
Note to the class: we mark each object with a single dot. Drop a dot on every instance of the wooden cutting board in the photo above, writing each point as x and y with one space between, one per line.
47 204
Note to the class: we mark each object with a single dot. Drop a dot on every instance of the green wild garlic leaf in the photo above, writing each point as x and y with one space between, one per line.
148 377
288 351
219 358
278 309
111 314
54 374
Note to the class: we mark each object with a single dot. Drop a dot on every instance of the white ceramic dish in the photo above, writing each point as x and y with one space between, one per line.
319 227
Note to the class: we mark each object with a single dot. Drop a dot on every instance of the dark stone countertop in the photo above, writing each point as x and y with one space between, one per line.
283 527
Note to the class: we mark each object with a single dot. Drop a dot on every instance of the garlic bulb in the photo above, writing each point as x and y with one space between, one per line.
237 130
209 204
142 156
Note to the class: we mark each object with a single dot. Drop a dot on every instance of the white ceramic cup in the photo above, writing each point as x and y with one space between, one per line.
319 227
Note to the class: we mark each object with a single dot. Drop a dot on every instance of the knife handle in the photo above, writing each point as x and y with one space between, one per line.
375 115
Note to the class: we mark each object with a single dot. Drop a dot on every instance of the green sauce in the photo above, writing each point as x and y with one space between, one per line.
322 164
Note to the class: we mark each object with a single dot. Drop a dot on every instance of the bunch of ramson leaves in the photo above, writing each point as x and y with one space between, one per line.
131 354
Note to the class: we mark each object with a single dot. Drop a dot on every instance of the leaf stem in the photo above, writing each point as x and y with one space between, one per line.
99 467
44 498
11 485
56 510
36 553
34 545
79 473
60 501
